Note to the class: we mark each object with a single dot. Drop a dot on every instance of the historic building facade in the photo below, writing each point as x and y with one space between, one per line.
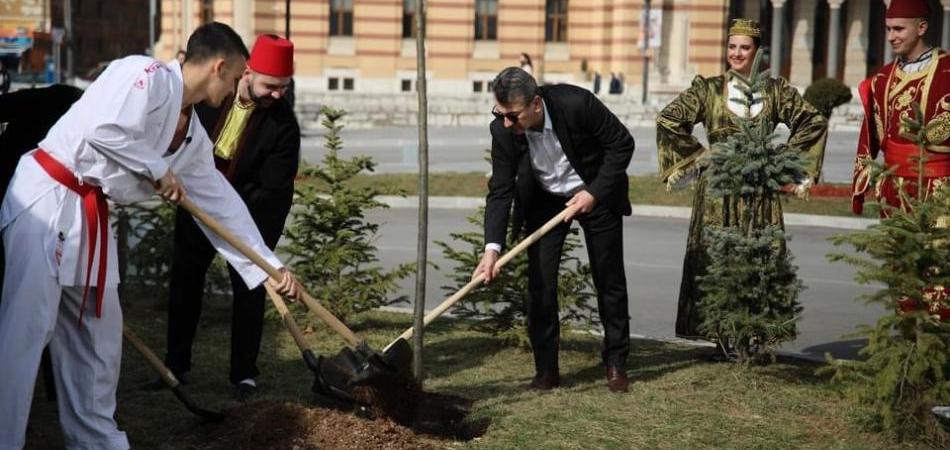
367 46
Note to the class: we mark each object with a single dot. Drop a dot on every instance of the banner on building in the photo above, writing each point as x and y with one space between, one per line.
651 26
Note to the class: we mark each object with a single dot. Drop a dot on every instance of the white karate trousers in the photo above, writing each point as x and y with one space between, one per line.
36 310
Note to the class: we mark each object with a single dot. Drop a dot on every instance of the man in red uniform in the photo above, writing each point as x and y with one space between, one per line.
920 74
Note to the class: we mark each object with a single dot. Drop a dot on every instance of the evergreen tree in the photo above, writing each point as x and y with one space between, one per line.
499 307
749 302
906 363
330 241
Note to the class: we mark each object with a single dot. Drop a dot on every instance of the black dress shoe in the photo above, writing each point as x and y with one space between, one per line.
545 381
245 391
617 379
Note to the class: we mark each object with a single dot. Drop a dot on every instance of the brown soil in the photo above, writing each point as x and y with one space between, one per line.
268 425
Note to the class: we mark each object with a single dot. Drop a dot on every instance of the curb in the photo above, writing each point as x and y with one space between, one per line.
665 339
667 212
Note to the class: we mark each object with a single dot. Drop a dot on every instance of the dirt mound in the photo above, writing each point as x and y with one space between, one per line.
268 425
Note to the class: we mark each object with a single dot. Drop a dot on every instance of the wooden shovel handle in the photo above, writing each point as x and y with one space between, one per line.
322 313
164 372
287 318
507 257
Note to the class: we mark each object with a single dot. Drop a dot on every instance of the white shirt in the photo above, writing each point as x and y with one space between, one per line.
550 164
922 62
738 108
116 136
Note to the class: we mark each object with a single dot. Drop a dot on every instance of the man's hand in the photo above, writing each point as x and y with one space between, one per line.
487 266
581 203
287 285
169 188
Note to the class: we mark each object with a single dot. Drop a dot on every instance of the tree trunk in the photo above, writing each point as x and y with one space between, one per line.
423 235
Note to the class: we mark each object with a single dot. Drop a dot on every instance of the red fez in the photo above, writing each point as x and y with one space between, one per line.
272 55
908 9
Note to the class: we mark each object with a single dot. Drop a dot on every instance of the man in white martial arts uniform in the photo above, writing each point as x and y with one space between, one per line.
131 134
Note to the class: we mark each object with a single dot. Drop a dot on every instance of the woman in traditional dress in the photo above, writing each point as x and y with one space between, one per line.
708 101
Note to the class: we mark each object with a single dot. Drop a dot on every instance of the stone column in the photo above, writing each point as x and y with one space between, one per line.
945 37
888 51
243 20
834 37
803 42
778 18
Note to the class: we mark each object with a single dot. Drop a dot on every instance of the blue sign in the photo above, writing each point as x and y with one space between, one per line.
15 45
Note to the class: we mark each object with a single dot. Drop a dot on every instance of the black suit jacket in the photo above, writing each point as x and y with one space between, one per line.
264 165
597 145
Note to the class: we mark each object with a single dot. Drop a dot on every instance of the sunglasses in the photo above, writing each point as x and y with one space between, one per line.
512 116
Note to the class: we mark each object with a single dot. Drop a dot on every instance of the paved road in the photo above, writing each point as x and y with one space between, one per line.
462 149
654 251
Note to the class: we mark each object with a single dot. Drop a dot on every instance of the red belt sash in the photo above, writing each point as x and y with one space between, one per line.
97 221
904 156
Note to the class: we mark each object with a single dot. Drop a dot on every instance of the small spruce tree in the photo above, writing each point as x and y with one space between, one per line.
904 368
331 244
499 307
749 303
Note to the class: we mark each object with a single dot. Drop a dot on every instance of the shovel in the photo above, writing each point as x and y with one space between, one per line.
169 378
360 361
402 342
328 378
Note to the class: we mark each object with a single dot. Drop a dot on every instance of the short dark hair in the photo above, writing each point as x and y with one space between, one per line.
513 84
214 39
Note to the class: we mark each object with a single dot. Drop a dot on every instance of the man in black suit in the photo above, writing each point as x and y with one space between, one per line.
257 148
558 147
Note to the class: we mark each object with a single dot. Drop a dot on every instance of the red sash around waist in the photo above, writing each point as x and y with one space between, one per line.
96 210
904 156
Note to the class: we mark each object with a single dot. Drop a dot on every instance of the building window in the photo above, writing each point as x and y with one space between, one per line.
476 86
333 84
206 11
408 18
341 17
555 21
406 86
486 20
347 84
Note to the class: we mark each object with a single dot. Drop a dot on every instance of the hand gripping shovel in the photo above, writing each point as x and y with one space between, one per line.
360 361
168 377
402 342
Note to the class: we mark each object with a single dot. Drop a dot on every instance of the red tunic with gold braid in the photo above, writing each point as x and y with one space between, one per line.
888 96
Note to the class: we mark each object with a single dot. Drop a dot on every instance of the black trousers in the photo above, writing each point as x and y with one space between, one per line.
193 255
603 234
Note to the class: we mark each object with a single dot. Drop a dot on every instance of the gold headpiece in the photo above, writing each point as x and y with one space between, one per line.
745 27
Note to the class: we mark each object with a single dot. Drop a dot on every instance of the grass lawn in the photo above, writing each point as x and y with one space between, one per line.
644 189
678 399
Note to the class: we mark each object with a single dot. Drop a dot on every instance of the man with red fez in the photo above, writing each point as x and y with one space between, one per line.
921 75
257 148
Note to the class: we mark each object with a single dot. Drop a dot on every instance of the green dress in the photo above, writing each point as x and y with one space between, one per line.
679 151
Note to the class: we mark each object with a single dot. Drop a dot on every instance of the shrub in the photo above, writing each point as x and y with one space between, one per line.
827 94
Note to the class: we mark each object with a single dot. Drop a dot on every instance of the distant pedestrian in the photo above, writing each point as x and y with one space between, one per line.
596 82
614 87
180 56
526 64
